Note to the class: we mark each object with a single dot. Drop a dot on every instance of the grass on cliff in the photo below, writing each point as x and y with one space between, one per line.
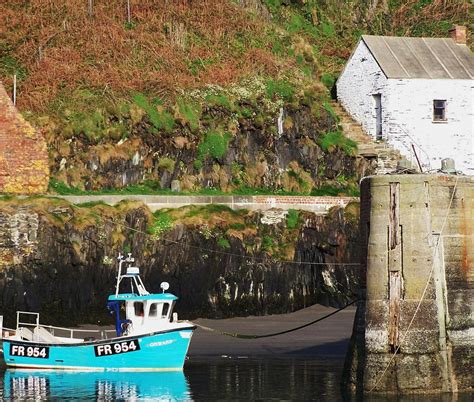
58 48
182 69
60 188
337 139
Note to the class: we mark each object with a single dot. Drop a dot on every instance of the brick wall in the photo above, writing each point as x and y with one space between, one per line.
298 200
24 165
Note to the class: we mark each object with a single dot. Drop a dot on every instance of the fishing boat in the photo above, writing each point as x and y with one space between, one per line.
148 336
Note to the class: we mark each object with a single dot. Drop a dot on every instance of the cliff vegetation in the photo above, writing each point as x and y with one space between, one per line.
226 96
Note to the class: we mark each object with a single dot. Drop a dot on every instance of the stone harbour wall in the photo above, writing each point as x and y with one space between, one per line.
24 165
415 235
60 260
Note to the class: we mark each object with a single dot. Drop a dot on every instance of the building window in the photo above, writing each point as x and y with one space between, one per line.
439 110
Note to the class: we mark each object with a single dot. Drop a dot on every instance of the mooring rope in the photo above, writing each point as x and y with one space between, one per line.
423 294
247 336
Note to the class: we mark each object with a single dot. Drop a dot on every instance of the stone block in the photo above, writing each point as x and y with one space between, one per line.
419 372
375 364
419 341
462 358
426 316
376 340
376 314
460 309
175 186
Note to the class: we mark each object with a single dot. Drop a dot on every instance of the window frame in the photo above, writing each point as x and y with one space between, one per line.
137 304
165 311
153 311
437 119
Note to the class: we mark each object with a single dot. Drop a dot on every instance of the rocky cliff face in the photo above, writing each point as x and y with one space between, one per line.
60 260
230 145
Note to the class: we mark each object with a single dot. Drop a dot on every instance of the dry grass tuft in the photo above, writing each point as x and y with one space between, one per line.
61 48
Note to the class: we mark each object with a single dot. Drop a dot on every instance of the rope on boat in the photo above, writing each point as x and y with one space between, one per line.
247 336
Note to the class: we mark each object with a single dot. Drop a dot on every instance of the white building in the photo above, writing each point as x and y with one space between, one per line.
414 92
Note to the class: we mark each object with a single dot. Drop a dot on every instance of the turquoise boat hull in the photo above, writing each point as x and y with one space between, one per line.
159 351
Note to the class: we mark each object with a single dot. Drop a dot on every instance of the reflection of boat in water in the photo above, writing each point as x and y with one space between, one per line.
147 336
109 385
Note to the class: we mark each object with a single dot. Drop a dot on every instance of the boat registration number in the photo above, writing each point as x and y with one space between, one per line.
116 348
39 352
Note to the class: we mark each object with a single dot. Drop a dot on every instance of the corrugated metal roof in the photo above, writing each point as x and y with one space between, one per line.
401 57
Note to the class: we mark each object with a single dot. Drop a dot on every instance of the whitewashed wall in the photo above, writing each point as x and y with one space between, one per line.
407 111
361 79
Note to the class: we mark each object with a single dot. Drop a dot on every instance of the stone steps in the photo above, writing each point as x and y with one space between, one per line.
387 157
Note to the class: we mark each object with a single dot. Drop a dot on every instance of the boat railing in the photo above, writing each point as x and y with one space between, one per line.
74 333
5 332
60 331
26 313
71 332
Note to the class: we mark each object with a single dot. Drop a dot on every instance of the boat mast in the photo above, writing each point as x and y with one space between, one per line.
119 277
133 273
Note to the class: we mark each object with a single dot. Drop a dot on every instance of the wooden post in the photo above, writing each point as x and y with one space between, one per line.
14 90
90 7
417 159
395 266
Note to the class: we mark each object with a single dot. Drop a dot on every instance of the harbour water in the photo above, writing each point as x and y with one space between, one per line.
204 379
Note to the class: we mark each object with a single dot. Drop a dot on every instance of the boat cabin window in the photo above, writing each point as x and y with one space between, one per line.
153 310
159 310
139 310
166 308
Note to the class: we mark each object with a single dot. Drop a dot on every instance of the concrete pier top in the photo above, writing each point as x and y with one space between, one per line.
448 179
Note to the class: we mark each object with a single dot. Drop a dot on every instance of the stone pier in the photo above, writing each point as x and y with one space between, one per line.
416 314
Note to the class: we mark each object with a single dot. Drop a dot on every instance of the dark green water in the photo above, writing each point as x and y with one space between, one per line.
204 379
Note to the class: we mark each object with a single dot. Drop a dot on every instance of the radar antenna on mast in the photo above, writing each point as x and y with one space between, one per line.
132 272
